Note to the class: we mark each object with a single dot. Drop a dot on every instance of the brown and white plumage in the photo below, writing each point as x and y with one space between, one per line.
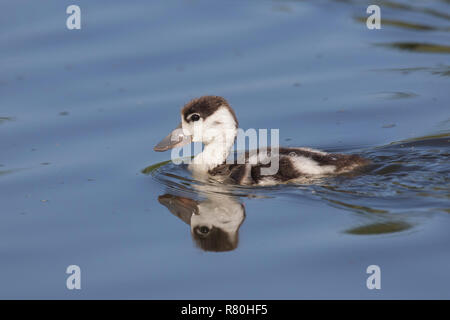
294 163
212 121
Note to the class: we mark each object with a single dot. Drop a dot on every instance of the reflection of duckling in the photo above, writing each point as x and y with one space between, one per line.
214 222
211 120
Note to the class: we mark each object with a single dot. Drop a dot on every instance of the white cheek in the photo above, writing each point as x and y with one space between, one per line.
197 130
210 133
186 128
192 129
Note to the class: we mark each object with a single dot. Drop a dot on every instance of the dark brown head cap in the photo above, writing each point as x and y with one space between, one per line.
206 106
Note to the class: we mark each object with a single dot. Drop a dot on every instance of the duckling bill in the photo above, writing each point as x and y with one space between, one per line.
211 120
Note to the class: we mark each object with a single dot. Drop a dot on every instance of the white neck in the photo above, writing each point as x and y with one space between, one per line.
214 153
217 132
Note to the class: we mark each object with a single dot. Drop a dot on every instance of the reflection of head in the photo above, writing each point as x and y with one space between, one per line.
214 222
214 239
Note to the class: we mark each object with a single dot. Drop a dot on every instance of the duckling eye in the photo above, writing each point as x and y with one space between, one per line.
195 117
203 230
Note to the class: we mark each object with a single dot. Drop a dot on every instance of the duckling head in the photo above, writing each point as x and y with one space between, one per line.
208 119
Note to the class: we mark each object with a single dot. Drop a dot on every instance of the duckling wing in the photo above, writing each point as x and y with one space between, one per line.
292 163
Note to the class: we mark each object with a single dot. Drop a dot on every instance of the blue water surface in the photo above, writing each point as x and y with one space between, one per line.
80 111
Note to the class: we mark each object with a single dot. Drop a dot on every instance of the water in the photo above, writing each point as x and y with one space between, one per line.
81 110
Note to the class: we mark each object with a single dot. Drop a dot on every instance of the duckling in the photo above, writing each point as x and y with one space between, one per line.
211 120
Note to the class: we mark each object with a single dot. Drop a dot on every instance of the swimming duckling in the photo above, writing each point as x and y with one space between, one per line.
211 120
